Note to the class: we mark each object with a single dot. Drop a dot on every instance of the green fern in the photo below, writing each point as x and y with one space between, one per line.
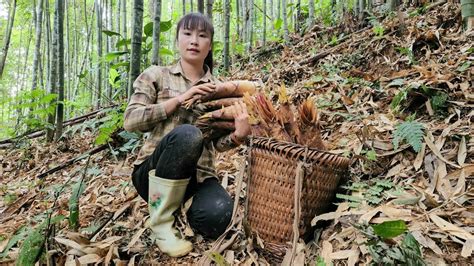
410 131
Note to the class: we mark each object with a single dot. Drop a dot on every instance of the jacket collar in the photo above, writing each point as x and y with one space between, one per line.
177 69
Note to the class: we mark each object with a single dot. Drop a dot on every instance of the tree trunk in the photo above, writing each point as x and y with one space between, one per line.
109 47
285 22
184 7
249 27
264 35
8 33
53 76
68 67
136 44
192 6
209 9
99 52
155 58
124 19
60 79
393 4
237 18
361 10
48 47
298 17
117 16
226 34
37 54
201 6
311 14
467 12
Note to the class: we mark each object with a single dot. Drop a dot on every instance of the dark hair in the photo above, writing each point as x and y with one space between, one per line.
192 21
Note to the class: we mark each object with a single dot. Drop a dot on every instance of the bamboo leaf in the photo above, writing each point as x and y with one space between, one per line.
111 33
148 29
77 190
165 26
165 51
19 235
112 55
390 229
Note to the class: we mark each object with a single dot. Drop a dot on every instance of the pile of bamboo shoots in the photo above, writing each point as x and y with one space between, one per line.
281 122
214 111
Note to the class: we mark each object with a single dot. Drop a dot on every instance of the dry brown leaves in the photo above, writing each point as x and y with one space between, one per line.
437 198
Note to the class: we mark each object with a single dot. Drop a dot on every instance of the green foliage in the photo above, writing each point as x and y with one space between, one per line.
373 192
390 229
438 101
320 262
19 234
378 28
465 66
112 121
164 27
391 253
9 198
32 247
77 190
218 259
334 41
410 131
38 101
409 53
278 23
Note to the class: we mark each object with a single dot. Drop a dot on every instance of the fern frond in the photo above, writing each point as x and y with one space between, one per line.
410 131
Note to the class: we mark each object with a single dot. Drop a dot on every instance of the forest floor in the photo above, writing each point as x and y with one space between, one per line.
417 65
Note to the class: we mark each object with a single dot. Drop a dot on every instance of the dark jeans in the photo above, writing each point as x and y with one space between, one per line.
176 157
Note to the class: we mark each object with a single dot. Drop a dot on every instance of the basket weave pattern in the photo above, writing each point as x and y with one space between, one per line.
271 188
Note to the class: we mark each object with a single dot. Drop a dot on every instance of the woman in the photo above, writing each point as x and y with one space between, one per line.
175 161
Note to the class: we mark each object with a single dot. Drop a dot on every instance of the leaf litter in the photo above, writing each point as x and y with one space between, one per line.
365 86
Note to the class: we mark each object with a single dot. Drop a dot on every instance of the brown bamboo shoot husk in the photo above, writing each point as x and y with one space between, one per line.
219 103
227 89
225 113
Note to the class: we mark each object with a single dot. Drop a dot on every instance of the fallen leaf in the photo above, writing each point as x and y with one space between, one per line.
89 259
450 228
136 237
462 152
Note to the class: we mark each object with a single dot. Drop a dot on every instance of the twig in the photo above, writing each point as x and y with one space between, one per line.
66 164
41 132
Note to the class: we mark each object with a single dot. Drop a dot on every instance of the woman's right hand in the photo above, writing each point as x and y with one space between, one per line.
200 90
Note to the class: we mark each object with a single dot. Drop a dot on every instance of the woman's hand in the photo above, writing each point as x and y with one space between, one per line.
200 90
241 121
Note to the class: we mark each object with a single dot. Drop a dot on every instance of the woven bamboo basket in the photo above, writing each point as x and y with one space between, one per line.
273 169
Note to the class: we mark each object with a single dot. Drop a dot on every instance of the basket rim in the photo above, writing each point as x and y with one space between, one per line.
294 149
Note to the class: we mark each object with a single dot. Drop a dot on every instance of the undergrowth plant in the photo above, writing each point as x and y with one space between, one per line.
372 192
410 131
384 250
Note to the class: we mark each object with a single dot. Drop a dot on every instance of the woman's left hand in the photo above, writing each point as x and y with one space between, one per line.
241 121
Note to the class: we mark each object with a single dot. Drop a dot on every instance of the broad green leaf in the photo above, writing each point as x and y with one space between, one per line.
390 229
124 63
74 204
464 66
112 55
165 26
278 23
128 135
123 42
165 51
32 247
218 259
148 29
113 75
19 235
111 33
396 82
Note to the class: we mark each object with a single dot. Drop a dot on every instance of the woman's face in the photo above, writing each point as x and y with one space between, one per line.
194 45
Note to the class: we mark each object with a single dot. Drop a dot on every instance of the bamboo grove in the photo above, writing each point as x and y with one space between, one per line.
60 59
